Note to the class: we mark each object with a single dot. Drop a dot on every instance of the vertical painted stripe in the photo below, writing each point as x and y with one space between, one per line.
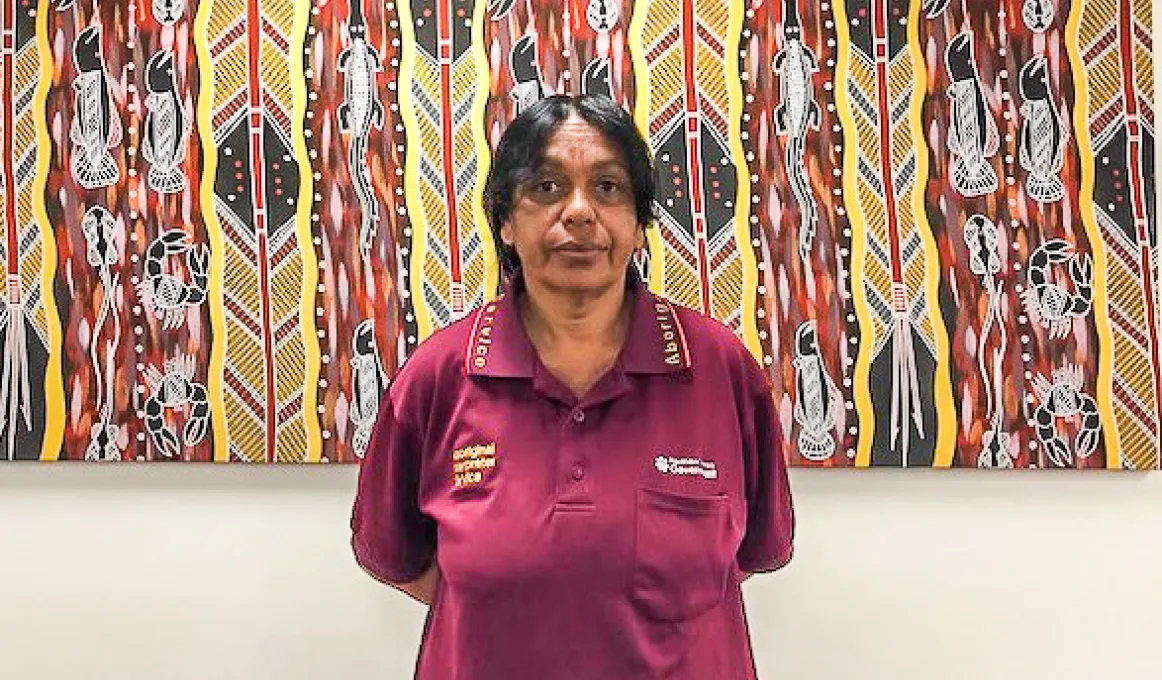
881 58
308 329
215 386
254 118
693 132
1106 348
1137 184
445 46
54 394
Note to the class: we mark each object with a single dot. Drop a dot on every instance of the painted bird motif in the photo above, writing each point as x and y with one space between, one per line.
796 114
595 78
526 73
96 127
934 8
359 112
1042 148
368 383
972 133
816 397
166 127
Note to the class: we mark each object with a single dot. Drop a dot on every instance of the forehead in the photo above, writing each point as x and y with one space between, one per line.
576 142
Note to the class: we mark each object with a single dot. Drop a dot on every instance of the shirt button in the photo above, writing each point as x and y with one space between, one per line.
578 416
578 472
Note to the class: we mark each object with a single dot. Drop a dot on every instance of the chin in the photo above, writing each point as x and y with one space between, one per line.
587 279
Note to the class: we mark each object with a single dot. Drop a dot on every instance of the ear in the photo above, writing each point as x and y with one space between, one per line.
506 234
639 239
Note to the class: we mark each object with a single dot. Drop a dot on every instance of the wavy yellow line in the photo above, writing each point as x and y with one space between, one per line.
750 274
483 151
412 194
54 402
861 388
641 117
310 265
215 382
1101 319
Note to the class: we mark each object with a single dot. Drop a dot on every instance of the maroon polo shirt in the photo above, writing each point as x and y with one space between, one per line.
595 539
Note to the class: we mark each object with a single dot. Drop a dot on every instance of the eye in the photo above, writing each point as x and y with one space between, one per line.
609 186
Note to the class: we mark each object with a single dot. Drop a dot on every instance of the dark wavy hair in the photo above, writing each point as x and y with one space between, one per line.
522 151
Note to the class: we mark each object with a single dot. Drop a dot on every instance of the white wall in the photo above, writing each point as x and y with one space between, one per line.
168 572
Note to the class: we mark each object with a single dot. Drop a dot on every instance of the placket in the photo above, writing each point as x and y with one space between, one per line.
574 460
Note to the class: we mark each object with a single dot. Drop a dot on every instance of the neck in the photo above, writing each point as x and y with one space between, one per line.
568 318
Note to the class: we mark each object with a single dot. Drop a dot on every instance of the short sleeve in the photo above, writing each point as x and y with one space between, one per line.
393 541
770 523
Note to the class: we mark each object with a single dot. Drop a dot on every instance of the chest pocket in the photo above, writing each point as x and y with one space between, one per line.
682 556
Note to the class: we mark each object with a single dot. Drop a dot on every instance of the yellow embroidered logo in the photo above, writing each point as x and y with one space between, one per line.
469 464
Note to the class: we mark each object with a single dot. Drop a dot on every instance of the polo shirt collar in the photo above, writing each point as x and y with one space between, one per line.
499 347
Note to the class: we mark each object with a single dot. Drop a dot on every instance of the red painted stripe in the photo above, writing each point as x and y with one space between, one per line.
711 41
240 388
221 44
291 409
8 28
444 53
1098 46
1141 219
254 23
1130 402
665 116
880 48
241 315
663 44
693 132
1127 327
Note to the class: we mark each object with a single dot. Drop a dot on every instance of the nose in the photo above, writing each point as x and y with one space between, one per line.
578 210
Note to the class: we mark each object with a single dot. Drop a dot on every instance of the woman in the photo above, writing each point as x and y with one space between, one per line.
578 476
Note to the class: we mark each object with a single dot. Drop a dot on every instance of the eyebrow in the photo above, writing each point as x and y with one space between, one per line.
553 164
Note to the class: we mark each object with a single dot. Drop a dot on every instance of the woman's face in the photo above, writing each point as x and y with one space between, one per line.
574 224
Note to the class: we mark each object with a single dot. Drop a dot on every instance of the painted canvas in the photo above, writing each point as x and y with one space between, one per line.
229 222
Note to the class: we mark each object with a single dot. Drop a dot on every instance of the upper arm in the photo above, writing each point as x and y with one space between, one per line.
770 523
392 539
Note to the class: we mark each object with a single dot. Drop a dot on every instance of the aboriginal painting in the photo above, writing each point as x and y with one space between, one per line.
229 222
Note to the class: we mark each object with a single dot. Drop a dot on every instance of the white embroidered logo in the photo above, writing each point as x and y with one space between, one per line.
686 466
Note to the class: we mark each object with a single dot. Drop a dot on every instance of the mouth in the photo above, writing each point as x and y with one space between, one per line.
578 249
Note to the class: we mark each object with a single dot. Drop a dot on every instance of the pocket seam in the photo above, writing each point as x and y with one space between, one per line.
666 501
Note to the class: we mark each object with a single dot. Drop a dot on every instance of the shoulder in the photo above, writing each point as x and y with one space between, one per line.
713 346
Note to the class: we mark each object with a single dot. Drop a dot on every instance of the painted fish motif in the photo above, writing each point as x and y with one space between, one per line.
797 112
96 127
982 240
360 110
816 397
1042 148
368 384
972 133
526 73
166 127
167 12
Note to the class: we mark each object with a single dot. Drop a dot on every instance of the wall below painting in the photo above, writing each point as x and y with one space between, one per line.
188 572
